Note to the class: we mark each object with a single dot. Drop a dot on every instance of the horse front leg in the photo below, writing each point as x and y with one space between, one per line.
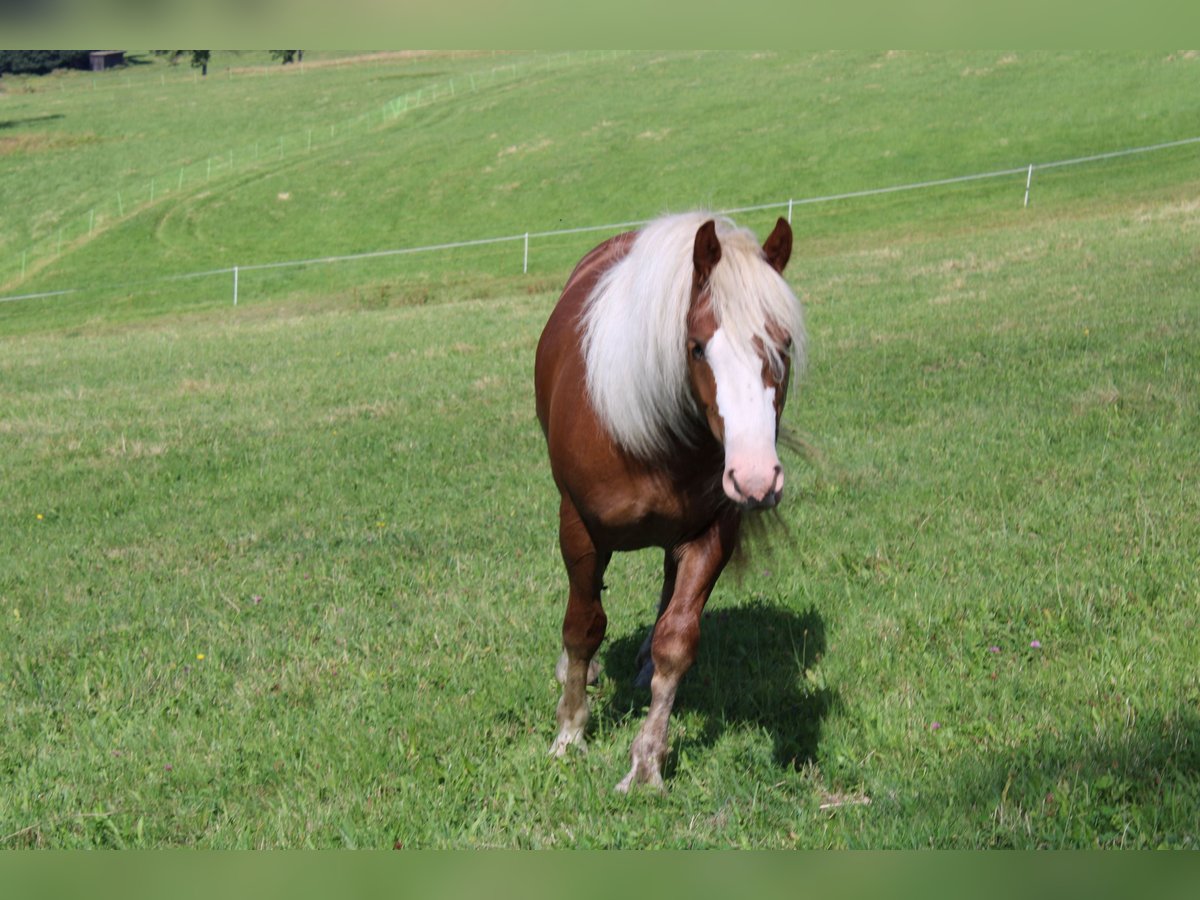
583 627
676 637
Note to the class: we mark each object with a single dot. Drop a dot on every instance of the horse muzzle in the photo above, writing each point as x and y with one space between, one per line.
754 487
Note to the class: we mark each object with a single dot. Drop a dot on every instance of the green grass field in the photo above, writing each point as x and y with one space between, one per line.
286 575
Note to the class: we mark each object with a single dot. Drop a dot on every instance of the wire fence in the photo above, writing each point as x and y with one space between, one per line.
525 239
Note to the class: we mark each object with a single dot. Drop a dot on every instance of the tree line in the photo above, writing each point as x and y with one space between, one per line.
41 62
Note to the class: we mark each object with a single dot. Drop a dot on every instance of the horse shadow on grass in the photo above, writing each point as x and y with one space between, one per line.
754 668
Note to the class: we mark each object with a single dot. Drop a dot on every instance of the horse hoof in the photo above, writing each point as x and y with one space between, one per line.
567 738
637 775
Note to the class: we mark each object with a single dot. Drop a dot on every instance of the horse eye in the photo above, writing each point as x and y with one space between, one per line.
697 350
787 345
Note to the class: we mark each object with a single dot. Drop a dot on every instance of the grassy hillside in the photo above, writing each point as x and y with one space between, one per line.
287 575
510 145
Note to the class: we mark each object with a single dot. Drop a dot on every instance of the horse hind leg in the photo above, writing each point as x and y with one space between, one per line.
644 662
583 630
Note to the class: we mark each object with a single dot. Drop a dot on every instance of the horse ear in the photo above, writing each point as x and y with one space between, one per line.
707 250
778 248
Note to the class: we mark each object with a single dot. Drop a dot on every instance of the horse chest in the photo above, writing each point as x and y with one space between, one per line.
655 510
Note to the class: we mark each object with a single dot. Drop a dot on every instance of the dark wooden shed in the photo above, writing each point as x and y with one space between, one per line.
106 59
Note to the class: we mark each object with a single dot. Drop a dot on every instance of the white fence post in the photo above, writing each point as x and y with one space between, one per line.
525 269
235 285
1028 182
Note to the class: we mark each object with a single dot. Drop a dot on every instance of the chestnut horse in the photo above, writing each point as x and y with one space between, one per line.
661 376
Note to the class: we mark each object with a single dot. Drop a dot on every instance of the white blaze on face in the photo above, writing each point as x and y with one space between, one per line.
753 474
